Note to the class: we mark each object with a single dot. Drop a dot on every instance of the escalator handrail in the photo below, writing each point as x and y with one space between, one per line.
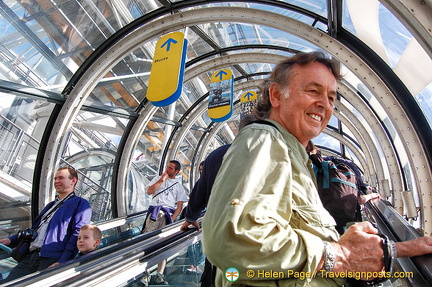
389 222
139 248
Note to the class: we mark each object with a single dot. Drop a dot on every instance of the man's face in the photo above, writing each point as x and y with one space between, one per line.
62 183
309 103
171 170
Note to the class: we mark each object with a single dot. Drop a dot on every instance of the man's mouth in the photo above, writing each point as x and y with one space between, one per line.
315 117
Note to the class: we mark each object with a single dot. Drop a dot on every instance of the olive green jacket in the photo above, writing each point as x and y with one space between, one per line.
264 215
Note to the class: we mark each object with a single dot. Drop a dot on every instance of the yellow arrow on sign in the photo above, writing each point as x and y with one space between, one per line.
248 96
166 75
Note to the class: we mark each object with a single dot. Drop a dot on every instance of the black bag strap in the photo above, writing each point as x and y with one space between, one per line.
46 216
164 190
264 122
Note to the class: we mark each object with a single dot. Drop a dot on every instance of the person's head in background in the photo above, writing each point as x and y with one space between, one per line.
201 166
89 238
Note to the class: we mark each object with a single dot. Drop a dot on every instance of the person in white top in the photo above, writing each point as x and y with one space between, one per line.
168 196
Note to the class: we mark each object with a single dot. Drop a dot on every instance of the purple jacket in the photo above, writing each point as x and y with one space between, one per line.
62 232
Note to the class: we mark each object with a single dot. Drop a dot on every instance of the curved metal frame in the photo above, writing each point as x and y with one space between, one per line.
109 57
414 14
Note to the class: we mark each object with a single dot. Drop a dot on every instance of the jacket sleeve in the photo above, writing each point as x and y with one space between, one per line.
81 217
201 191
197 200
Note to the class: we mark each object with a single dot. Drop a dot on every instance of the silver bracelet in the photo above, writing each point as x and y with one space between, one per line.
329 257
393 249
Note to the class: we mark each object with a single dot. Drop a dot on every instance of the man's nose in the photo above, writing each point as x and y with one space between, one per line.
324 102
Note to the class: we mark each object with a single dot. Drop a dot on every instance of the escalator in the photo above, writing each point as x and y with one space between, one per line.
123 263
414 271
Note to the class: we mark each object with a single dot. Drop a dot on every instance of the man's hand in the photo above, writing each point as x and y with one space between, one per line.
5 241
54 264
359 249
152 188
164 176
366 197
415 247
186 224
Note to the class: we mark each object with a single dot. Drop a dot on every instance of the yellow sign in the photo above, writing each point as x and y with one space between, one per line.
248 96
166 76
247 103
221 95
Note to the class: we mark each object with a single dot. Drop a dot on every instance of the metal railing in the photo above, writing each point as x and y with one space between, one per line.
18 151
390 223
120 263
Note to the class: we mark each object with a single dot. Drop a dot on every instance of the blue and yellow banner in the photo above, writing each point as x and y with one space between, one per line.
221 95
247 102
166 76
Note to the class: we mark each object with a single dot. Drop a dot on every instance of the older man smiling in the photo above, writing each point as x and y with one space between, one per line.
264 212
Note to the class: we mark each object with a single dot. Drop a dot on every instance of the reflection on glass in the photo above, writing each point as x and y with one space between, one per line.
22 123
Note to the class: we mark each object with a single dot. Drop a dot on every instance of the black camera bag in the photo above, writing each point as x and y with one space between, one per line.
21 251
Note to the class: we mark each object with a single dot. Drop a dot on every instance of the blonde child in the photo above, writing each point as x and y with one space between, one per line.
89 239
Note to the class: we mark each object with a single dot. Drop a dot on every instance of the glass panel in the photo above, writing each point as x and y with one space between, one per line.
125 85
378 28
197 45
316 6
113 232
137 198
22 123
334 122
424 98
391 40
91 149
228 34
53 38
324 140
146 162
180 268
25 36
351 156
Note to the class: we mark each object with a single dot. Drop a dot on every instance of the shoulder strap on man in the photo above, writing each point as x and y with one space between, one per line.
165 189
264 122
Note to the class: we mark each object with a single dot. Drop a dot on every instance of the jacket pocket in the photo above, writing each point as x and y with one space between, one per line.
310 216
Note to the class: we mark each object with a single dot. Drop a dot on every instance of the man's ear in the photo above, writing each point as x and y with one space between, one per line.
275 95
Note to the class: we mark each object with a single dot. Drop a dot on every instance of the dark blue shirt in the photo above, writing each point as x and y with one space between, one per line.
200 193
